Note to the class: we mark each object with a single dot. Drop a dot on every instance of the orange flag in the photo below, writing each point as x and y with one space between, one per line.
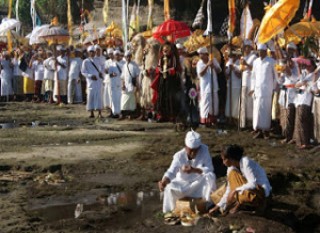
166 9
232 17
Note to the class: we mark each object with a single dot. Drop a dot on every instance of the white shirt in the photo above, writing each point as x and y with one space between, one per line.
38 69
107 64
49 67
75 68
129 71
205 81
62 72
246 73
263 78
88 70
116 68
16 69
202 161
254 174
235 80
305 97
101 60
288 96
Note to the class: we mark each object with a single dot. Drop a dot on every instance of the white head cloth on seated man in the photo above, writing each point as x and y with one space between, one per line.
190 174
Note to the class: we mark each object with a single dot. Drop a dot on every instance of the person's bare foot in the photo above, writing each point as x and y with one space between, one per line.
235 209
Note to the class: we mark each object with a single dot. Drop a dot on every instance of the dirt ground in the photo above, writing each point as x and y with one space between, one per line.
55 158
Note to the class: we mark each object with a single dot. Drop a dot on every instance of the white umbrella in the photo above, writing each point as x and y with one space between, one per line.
88 27
8 24
56 34
90 39
34 35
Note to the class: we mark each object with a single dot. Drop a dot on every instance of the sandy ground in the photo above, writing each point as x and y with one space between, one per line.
68 159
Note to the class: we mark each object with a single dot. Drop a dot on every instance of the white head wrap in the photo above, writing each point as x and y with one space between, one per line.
127 53
291 45
110 50
179 46
90 48
262 47
97 47
116 52
193 140
203 50
248 42
61 48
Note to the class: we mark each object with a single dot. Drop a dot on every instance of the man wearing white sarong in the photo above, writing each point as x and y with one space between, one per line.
115 71
6 76
190 174
106 94
61 86
263 82
246 64
204 69
48 77
129 76
233 86
92 71
74 82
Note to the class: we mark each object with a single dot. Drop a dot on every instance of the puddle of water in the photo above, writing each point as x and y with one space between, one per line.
8 125
134 206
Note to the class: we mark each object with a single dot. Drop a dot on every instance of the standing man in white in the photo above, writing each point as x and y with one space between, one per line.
263 83
92 71
74 82
206 68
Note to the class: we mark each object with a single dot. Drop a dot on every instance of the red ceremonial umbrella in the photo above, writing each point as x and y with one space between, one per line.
173 29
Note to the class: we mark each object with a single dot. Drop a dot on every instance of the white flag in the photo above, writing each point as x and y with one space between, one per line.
209 29
124 24
246 23
17 16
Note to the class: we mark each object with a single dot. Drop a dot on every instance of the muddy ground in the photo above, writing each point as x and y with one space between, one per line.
56 157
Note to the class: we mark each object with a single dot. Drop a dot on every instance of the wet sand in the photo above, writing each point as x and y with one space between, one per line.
53 158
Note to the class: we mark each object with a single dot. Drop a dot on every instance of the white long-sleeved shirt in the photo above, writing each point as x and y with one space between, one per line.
38 69
49 68
88 70
202 160
305 96
246 73
62 71
254 174
75 68
129 71
263 77
205 80
235 80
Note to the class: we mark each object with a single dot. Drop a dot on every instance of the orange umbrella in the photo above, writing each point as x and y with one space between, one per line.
277 18
301 30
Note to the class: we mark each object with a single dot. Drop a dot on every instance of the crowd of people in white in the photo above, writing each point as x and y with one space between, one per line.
261 87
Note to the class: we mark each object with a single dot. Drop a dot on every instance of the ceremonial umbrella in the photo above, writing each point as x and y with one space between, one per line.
277 18
55 35
301 30
8 24
197 40
113 30
172 29
34 35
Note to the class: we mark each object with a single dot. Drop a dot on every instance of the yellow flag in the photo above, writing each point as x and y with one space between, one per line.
70 21
166 8
150 14
105 11
9 33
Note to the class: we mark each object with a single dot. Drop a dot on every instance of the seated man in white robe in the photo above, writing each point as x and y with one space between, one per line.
189 175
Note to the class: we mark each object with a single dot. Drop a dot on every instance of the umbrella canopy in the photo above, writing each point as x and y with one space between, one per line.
3 36
8 24
172 29
55 35
302 29
113 30
34 35
302 61
277 18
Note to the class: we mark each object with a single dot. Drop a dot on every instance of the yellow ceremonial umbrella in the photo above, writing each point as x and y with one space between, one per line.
197 40
277 18
301 30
